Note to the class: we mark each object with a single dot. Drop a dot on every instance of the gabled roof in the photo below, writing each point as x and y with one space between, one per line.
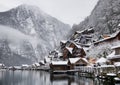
69 49
73 60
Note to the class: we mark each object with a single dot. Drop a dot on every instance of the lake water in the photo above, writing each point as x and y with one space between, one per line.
44 78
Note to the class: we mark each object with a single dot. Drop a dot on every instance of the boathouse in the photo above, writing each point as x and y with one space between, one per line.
59 65
72 62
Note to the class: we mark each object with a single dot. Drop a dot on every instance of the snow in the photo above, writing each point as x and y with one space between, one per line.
60 54
117 46
69 49
112 36
112 56
32 31
63 41
42 61
84 59
107 66
111 74
101 60
73 60
117 63
37 64
59 62
25 65
78 46
47 59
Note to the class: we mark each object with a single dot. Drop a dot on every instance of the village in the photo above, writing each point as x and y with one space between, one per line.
72 57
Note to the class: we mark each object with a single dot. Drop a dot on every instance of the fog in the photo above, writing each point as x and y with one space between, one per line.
16 37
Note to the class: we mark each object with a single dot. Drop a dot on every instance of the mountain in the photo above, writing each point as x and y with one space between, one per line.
30 33
104 19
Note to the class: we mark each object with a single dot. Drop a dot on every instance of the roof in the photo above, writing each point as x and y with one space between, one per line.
69 49
112 36
84 59
47 59
117 63
60 54
63 41
101 60
37 64
118 46
73 60
59 62
111 55
77 45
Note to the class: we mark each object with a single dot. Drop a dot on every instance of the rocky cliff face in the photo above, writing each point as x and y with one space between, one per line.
105 18
30 33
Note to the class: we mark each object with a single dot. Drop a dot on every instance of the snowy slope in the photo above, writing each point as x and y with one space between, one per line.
105 18
31 33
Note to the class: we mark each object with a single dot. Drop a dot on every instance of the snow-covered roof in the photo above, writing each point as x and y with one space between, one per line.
117 63
25 65
86 48
107 66
59 62
60 54
37 64
101 60
84 59
69 49
78 46
73 60
79 31
111 55
63 41
1 64
117 46
47 59
42 61
115 57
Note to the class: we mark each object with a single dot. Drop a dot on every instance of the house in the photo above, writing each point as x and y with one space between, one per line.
108 40
67 52
73 50
72 62
59 65
2 66
78 34
115 55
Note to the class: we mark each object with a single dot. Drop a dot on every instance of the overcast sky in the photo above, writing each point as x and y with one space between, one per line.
68 11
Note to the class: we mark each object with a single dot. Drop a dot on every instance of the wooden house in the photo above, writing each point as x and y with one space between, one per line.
72 62
115 56
73 50
109 40
67 53
59 65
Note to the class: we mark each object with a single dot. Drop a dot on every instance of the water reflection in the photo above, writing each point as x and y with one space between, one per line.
44 78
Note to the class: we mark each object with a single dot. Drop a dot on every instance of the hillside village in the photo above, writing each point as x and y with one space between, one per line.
81 44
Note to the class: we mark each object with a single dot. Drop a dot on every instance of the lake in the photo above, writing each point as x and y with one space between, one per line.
44 78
